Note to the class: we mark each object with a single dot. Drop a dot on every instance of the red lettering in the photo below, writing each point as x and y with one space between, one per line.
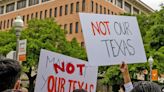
80 84
107 25
51 87
104 33
70 85
94 27
70 68
59 84
62 84
81 66
101 27
91 87
74 86
86 86
56 67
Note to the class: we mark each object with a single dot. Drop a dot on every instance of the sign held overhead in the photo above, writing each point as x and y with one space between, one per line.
112 39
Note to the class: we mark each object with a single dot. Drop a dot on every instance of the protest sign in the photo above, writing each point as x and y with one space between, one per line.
111 39
59 73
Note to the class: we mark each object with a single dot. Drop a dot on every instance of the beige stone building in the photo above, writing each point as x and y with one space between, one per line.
66 12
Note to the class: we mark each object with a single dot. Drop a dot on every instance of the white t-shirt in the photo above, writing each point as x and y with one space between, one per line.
128 87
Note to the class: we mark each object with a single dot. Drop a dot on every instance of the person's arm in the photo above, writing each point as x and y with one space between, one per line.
128 84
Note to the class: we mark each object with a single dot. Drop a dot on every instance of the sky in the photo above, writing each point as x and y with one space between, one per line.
153 3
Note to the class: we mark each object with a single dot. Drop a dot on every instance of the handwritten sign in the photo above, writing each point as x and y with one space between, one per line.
59 73
112 39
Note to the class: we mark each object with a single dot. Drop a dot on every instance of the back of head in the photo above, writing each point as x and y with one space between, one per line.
79 90
10 71
146 86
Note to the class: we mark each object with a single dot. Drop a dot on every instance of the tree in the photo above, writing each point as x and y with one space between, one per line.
41 34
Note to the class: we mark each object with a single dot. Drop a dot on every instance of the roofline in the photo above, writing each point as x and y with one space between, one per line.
145 5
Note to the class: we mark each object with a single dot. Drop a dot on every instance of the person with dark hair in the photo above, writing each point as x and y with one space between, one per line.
79 90
142 86
122 88
10 71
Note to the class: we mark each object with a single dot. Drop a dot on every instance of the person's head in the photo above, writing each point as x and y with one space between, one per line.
79 90
10 71
146 86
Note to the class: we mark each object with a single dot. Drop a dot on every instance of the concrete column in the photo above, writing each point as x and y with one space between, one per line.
139 11
27 2
131 9
4 10
123 4
15 7
40 1
114 2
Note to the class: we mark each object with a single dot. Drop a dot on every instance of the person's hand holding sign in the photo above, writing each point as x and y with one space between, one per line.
125 72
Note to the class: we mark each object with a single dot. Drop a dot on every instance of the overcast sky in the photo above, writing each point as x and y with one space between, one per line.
153 3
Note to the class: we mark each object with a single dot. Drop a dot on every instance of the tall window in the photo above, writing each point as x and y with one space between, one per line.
66 9
1 25
4 24
70 28
108 11
12 22
8 23
32 15
23 18
10 7
1 9
61 10
77 27
110 0
83 5
36 15
71 11
100 9
40 14
50 13
92 5
77 7
127 7
119 3
27 18
96 8
45 0
21 4
112 12
33 2
65 28
45 14
135 10
55 12
104 10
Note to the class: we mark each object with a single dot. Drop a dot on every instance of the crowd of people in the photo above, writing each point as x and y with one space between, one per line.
10 71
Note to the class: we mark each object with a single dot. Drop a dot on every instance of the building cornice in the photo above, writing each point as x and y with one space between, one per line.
143 5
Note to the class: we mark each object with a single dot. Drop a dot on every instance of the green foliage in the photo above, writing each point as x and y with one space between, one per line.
40 34
7 42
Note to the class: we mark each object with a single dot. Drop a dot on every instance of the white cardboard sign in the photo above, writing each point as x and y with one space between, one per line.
59 73
111 39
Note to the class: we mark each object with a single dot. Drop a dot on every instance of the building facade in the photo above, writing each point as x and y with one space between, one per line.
66 12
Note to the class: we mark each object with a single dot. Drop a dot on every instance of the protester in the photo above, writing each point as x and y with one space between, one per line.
142 86
79 90
10 72
122 88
